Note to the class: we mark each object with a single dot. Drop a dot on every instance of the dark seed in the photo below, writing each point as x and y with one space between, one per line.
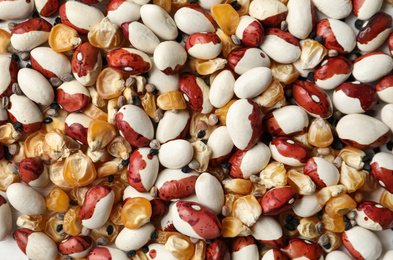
17 125
36 14
48 120
131 253
310 77
209 241
154 235
58 20
367 158
111 178
153 152
226 165
207 80
55 106
367 167
358 24
186 169
346 219
109 230
348 226
337 144
136 101
125 162
197 74
59 228
218 122
320 39
389 146
377 150
73 203
155 92
320 214
289 218
201 134
145 249
328 245
8 156
193 1
15 57
290 227
312 35
28 65
295 222
204 141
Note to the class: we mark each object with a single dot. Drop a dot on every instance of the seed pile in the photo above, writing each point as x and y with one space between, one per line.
210 129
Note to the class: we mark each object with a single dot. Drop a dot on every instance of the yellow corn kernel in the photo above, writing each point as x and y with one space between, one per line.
232 227
94 112
136 212
63 38
57 200
5 41
171 100
239 186
180 247
105 35
79 170
119 148
72 225
51 228
226 17
320 133
99 134
110 83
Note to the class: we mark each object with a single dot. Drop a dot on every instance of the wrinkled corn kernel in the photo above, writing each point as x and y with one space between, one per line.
226 17
180 246
301 182
274 175
57 200
54 228
105 35
79 170
63 38
99 134
136 212
340 205
32 222
247 209
320 133
110 83
72 225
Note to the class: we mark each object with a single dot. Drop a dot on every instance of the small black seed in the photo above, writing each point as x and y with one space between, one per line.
193 1
337 144
179 38
36 14
346 219
55 106
104 61
358 24
15 57
320 214
218 122
131 253
145 249
59 228
289 218
368 157
111 178
8 156
348 226
197 74
207 80
389 146
58 20
377 150
367 167
28 65
328 245
201 134
186 169
312 35
73 203
295 222
136 101
48 120
310 77
154 235
17 125
125 162
290 227
155 92
204 141
109 230
320 39
153 152
226 165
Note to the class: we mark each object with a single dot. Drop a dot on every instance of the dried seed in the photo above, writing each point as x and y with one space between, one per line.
25 56
154 235
60 216
236 40
52 112
66 77
109 230
48 120
213 119
150 87
130 82
55 82
194 164
154 192
155 144
225 211
351 215
102 241
320 227
186 169
15 57
201 134
324 240
5 102
13 148
201 125
131 253
111 178
11 26
332 53
121 101
145 249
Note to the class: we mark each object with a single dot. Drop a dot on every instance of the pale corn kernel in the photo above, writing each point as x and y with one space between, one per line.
8 134
180 246
329 192
79 170
273 94
386 199
105 35
32 222
119 148
112 109
312 53
112 167
94 112
274 175
369 184
196 118
99 134
56 175
63 38
232 227
301 182
109 84
207 67
351 178
335 241
202 154
239 186
230 199
352 157
247 209
340 205
200 250
136 212
285 73
320 133
96 99
307 227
